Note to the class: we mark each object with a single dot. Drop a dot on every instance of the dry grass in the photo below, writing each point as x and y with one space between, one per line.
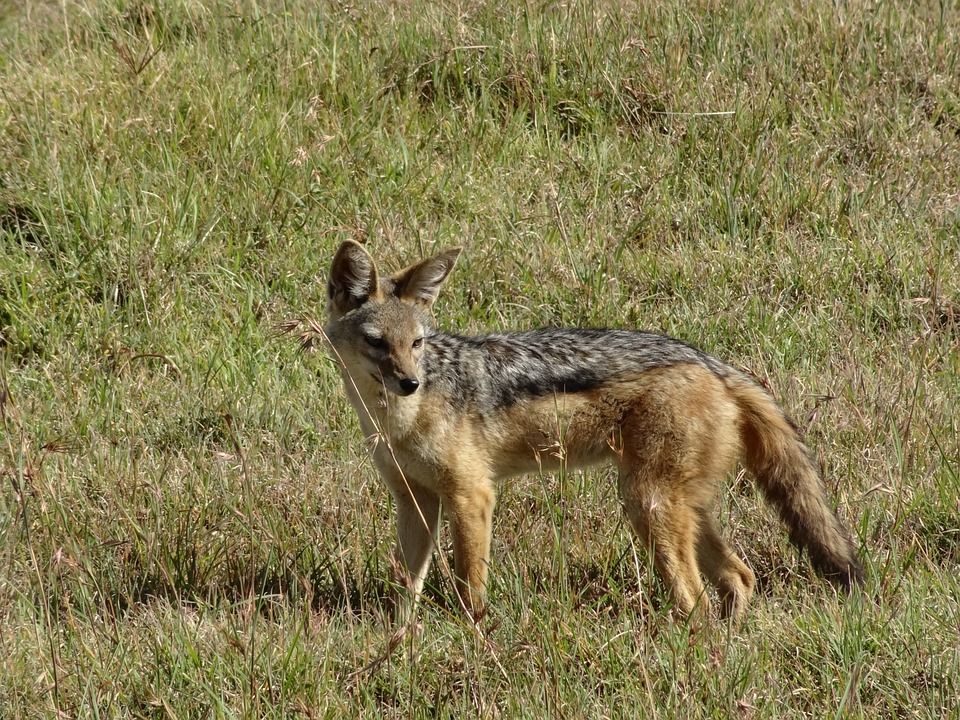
189 523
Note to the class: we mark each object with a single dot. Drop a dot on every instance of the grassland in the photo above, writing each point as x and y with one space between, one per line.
189 526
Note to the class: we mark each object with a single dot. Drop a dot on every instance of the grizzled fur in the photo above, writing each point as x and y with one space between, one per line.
452 415
488 372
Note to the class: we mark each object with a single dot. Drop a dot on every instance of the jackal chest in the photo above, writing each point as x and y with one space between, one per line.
429 454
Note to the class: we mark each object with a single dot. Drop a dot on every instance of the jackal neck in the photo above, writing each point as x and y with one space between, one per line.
381 413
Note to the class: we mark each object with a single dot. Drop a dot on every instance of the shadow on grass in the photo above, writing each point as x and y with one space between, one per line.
328 588
22 221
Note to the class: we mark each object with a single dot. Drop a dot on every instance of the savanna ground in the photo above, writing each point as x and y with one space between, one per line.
189 526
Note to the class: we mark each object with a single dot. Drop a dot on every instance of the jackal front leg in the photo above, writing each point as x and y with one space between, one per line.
418 522
471 523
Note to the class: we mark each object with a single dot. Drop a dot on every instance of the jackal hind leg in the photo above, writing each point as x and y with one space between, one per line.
418 524
679 439
662 492
732 578
470 512
669 530
669 527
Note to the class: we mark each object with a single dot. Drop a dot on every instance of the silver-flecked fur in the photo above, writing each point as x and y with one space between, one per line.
489 372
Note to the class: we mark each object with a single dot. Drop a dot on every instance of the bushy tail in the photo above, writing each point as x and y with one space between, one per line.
782 466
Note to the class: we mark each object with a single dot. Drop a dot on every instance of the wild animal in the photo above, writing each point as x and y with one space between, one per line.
451 416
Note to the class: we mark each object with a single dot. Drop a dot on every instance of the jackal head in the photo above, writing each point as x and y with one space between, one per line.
377 325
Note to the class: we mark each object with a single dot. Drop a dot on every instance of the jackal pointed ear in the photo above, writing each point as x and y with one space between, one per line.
353 277
420 283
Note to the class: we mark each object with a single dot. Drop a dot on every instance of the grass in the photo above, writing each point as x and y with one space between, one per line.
189 526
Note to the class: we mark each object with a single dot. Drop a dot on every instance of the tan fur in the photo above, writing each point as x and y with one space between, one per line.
673 430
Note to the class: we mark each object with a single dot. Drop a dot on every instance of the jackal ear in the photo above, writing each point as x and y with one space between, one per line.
353 277
420 283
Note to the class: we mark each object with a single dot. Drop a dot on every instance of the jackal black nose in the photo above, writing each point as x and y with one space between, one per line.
408 386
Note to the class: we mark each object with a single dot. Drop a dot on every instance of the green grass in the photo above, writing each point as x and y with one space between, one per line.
189 525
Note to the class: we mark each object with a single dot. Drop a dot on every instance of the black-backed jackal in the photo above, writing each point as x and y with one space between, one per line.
452 415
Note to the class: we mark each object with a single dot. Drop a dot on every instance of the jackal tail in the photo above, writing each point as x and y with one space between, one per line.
788 478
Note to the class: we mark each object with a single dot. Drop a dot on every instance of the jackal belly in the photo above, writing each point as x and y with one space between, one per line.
568 430
588 427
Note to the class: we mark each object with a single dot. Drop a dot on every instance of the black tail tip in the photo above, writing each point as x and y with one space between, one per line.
850 577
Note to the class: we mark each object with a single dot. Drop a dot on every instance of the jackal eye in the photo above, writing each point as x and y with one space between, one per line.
375 342
418 343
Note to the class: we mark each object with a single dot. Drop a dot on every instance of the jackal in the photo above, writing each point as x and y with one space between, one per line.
451 415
